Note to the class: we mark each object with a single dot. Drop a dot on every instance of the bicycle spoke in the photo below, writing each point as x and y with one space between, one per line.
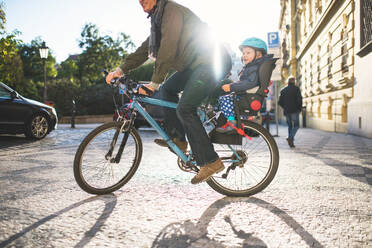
253 163
100 173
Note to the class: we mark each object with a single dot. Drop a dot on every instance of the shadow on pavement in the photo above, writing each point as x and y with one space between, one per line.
110 203
338 164
7 141
188 234
33 185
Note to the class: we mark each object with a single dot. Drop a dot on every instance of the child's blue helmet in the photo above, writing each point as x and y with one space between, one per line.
254 43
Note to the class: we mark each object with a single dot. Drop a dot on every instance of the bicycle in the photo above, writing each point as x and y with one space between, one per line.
109 155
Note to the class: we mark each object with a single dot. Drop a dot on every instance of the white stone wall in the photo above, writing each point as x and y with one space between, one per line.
360 107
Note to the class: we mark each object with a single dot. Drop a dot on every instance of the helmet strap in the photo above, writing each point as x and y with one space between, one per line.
255 55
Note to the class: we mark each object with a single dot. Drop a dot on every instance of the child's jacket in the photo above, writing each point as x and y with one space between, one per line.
248 77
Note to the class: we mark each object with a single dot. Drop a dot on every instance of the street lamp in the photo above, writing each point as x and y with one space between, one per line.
44 55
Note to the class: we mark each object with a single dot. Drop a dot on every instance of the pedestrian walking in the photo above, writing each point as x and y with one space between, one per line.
291 101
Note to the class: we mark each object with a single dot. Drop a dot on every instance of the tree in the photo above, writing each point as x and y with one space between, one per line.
82 73
11 72
2 16
33 69
33 64
69 70
10 63
100 52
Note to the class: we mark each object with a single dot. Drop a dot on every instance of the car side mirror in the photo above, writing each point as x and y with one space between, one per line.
14 94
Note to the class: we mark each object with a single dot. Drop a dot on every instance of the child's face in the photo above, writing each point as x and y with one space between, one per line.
248 55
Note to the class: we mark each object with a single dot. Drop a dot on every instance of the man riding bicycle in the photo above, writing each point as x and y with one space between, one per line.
179 40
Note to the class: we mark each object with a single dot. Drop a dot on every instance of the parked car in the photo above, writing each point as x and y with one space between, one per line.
21 115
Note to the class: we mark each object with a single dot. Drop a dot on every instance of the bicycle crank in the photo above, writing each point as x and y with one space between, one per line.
187 167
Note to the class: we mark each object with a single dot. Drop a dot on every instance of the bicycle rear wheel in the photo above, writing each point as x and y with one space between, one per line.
249 167
95 170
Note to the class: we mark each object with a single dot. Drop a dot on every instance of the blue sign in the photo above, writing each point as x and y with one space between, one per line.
273 39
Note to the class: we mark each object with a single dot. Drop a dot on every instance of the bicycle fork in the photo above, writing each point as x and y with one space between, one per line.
125 127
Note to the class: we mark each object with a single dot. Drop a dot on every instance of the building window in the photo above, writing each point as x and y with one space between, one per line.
366 17
318 69
310 13
329 108
311 69
329 60
304 22
318 63
365 27
344 51
318 5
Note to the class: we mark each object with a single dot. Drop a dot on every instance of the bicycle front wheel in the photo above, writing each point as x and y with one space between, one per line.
249 167
96 168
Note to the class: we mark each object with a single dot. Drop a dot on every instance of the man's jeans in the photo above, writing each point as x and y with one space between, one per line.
293 124
196 85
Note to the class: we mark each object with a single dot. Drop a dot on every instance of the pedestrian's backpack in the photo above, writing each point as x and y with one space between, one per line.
251 103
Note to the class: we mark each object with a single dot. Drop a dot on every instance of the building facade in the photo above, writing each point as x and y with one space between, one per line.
326 45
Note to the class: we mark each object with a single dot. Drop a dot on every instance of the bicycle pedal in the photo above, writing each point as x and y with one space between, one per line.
194 168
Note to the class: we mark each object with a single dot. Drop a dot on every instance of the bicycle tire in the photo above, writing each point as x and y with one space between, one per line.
262 140
93 149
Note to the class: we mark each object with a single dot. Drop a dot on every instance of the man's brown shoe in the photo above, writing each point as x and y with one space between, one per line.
181 144
207 171
290 143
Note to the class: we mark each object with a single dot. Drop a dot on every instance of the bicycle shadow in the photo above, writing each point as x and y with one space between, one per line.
110 202
188 234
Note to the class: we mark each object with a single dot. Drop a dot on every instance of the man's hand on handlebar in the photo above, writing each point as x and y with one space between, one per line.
145 92
112 75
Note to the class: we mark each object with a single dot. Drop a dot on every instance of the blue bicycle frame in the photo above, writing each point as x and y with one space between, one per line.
135 104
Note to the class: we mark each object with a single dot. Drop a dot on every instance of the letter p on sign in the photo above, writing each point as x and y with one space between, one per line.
273 39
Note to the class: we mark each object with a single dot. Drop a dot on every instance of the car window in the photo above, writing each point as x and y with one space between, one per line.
4 93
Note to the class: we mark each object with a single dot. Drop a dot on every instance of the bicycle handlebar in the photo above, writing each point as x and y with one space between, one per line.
131 86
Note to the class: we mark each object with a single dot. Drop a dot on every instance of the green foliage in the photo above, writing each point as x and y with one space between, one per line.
32 84
11 72
97 99
2 16
80 76
69 71
10 62
99 52
62 92
33 66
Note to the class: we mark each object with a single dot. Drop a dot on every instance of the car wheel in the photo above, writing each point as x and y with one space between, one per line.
37 127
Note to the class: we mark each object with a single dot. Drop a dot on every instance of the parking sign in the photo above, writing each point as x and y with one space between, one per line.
273 39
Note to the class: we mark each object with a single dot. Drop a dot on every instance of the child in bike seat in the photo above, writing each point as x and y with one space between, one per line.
253 52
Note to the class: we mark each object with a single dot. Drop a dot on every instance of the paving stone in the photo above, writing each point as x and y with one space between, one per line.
320 197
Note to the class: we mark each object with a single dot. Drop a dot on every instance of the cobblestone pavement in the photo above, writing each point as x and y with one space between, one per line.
320 197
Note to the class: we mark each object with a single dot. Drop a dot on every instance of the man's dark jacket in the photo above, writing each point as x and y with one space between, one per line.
290 99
